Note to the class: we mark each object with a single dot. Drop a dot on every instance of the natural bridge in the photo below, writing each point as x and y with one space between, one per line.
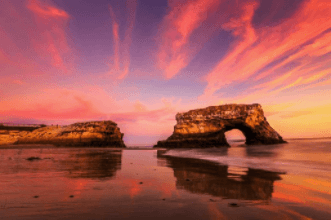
206 127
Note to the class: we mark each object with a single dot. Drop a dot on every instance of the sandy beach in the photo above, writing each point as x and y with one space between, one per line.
101 183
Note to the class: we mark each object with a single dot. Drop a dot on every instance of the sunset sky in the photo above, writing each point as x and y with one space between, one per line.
138 63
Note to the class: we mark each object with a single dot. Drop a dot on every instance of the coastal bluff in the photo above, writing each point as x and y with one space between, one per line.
202 128
84 134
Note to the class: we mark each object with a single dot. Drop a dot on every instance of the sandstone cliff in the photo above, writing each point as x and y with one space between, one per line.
94 134
206 127
10 137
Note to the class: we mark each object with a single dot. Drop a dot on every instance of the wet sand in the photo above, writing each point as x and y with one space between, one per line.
81 183
45 146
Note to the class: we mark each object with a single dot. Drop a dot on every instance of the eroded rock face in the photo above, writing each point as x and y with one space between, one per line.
94 134
10 137
206 127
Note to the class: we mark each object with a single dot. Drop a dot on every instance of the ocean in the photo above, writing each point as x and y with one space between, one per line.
285 181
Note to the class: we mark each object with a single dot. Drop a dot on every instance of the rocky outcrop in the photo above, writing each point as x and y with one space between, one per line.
202 128
94 134
9 133
10 137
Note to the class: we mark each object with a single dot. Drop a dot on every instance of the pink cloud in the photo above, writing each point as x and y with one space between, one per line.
50 41
45 10
33 42
298 41
65 106
121 56
58 105
176 46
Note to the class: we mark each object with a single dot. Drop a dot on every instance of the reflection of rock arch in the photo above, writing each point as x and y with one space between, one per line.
205 177
206 127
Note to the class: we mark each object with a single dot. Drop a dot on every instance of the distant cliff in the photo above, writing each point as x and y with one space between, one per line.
94 134
206 127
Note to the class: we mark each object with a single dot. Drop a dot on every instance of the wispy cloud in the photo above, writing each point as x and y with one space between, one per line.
50 41
121 55
295 52
176 48
46 11
33 42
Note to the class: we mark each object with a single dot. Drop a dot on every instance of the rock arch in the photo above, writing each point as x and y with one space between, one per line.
206 127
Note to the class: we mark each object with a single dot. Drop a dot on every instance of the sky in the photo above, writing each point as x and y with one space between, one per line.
139 62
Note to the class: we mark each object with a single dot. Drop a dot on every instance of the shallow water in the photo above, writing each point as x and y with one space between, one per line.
288 181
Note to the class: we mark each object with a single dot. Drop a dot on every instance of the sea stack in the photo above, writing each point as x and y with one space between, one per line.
202 128
84 134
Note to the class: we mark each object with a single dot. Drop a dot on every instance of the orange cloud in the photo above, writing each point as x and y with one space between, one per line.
300 44
46 10
121 58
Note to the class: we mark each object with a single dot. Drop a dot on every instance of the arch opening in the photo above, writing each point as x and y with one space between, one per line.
235 136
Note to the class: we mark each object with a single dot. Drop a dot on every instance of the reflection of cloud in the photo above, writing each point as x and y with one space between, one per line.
283 212
121 59
292 53
301 193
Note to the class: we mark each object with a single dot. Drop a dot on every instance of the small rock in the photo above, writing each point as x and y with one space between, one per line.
188 180
36 197
71 196
33 158
163 199
233 205
141 183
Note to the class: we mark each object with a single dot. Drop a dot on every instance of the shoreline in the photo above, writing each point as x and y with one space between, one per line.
48 146
40 146
103 179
